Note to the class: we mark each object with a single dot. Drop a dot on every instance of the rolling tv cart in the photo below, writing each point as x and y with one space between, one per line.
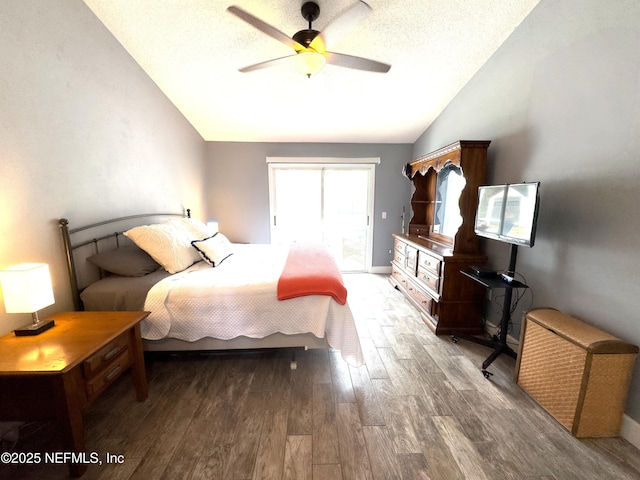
494 282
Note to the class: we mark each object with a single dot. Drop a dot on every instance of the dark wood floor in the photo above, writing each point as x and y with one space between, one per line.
418 409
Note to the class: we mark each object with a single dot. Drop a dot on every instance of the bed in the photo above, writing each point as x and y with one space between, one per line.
205 293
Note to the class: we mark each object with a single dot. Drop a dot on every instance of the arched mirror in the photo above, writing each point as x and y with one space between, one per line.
449 185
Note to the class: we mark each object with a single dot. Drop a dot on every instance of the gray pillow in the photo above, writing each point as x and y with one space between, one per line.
129 261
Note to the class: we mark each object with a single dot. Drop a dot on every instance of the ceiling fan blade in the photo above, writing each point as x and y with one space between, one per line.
359 63
340 26
265 27
269 63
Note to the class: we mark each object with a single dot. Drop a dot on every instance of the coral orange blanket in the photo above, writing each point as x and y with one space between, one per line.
311 270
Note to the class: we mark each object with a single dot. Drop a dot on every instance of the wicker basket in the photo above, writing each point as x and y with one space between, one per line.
577 372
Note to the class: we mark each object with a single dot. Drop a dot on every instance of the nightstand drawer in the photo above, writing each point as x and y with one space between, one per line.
109 374
105 355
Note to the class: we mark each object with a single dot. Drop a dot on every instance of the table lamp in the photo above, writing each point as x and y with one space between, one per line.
26 289
213 225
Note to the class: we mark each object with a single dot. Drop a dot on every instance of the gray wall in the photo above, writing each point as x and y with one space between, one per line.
238 187
560 101
84 134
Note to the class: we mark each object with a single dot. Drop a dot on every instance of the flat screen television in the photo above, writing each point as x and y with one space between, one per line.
508 213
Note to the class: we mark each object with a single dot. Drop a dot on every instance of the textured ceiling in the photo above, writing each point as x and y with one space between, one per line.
192 50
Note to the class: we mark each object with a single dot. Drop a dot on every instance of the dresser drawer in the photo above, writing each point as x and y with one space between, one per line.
105 355
399 258
398 276
400 247
430 279
420 297
109 374
428 262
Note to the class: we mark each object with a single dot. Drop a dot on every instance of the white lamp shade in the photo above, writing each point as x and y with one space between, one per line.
26 287
213 225
310 62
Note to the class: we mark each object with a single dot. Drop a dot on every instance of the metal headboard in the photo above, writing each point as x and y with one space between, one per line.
70 247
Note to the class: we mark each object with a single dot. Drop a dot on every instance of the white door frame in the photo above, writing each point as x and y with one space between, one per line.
329 162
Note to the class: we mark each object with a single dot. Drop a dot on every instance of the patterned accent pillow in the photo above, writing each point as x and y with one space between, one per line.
214 249
167 244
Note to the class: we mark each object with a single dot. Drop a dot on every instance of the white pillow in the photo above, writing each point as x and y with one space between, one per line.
167 244
194 228
214 249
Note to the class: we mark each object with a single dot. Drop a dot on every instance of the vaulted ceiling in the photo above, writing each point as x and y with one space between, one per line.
192 49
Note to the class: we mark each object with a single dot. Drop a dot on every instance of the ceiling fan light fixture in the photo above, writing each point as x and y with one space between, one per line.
310 62
310 44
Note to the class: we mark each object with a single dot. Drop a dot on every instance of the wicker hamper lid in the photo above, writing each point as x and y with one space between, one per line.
576 331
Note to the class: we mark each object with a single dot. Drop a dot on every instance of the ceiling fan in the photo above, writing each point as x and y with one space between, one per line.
310 45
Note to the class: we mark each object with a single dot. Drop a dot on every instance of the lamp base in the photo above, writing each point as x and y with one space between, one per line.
34 328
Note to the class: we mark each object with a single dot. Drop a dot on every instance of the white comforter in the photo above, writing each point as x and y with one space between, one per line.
239 298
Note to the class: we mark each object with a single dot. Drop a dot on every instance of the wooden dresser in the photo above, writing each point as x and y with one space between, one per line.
441 242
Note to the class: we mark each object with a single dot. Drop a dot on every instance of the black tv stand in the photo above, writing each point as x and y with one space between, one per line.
499 343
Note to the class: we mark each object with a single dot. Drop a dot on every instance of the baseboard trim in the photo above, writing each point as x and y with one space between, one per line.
630 431
381 270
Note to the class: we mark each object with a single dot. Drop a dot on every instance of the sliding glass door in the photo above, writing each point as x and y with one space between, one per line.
325 203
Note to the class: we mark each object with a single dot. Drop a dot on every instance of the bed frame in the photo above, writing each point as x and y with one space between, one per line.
82 242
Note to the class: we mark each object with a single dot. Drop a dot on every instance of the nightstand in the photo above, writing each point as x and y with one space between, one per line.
59 373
